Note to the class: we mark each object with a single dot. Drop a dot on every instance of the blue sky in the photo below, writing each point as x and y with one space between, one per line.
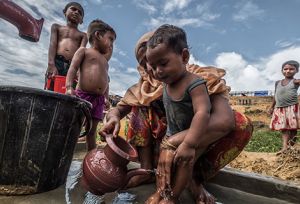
250 39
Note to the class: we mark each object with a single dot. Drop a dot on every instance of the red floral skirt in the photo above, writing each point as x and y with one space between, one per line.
286 118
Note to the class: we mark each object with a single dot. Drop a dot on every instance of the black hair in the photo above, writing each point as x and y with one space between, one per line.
74 4
173 36
291 62
101 27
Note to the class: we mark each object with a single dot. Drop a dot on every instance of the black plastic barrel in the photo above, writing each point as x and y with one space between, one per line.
38 133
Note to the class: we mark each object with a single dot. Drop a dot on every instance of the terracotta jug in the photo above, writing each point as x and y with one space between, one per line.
105 169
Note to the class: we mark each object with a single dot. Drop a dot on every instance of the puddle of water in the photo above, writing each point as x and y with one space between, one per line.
93 199
73 178
124 198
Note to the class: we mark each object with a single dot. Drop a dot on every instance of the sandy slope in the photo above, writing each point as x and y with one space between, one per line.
285 166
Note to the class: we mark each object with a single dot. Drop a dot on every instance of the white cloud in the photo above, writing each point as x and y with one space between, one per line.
112 69
287 43
96 1
181 22
247 10
177 12
121 81
239 74
231 61
131 70
193 60
203 10
283 43
172 5
210 47
272 69
119 51
261 75
149 8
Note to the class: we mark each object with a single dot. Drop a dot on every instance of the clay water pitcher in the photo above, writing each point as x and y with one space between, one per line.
105 169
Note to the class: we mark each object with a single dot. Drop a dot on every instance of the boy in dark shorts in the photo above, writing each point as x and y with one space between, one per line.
64 41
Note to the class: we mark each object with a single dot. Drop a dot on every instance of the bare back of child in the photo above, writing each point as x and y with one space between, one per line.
65 40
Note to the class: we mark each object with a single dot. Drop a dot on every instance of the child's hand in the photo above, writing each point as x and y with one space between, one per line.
70 91
270 111
51 71
185 154
111 126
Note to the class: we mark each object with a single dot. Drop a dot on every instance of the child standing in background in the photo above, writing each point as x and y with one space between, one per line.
64 41
285 108
92 64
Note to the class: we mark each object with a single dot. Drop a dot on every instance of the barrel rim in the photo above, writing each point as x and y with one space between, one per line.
41 92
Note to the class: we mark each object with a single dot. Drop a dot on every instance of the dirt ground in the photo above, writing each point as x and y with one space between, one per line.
285 166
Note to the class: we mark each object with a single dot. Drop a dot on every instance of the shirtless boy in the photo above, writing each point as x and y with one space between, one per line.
65 40
93 72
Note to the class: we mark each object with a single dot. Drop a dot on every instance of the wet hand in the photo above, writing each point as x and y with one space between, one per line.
185 154
164 167
111 126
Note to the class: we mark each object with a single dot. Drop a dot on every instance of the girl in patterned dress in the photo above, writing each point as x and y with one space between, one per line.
285 107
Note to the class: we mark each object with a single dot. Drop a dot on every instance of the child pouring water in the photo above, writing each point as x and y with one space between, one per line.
285 107
191 126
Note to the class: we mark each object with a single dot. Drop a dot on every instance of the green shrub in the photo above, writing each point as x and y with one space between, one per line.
264 140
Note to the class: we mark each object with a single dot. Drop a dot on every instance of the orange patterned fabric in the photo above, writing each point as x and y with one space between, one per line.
223 151
142 125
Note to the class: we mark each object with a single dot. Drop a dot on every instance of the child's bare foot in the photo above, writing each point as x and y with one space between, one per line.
154 198
169 201
81 139
140 179
201 196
